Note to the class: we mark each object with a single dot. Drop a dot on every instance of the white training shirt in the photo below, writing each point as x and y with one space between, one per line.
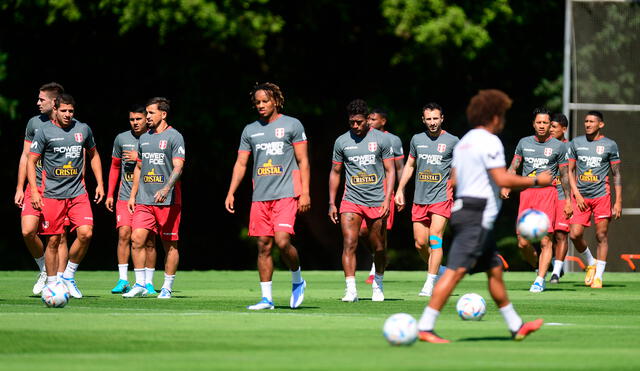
476 153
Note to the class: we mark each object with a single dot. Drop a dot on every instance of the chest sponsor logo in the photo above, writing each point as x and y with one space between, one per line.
589 177
590 161
271 148
279 132
128 177
599 150
78 137
152 177
268 169
441 147
69 151
372 146
363 178
153 158
548 151
162 144
363 160
66 170
430 159
429 177
536 162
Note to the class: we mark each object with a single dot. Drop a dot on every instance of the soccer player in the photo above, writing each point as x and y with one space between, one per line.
431 152
30 217
123 162
281 175
378 119
559 125
539 153
59 144
590 158
156 198
367 158
478 173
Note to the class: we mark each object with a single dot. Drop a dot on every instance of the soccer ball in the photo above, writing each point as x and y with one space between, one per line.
400 329
55 295
533 224
471 307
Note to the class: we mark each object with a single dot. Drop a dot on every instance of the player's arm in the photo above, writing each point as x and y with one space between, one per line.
114 175
36 198
513 168
617 185
18 198
96 166
574 186
302 156
505 179
566 189
163 193
407 173
390 179
334 183
239 169
398 163
131 204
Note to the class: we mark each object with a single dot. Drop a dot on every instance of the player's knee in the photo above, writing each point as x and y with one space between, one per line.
601 236
28 233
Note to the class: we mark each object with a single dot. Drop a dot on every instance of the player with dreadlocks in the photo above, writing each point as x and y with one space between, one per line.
281 175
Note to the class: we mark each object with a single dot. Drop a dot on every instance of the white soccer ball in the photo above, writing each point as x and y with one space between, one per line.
533 224
400 329
55 295
471 307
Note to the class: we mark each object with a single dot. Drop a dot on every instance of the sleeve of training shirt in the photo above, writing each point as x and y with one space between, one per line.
614 154
90 142
178 147
116 152
519 152
493 153
38 143
245 141
338 154
298 134
386 147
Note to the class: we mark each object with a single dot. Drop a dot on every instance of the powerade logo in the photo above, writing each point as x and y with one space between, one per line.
268 169
152 177
428 176
66 170
363 178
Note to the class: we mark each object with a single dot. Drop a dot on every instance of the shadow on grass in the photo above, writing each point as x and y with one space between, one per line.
296 309
603 285
487 338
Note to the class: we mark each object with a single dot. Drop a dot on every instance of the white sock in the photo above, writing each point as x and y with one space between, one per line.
377 279
148 275
511 317
122 271
600 265
539 280
373 269
428 320
432 277
168 281
52 279
59 275
586 255
351 283
70 271
139 272
40 262
265 287
557 267
296 276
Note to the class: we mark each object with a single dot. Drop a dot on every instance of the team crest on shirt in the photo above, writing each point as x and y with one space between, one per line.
599 150
373 146
78 137
162 144
441 147
45 224
279 132
548 151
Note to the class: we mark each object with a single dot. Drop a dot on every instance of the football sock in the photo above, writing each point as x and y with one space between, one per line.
59 275
122 271
432 277
168 282
539 280
600 265
148 275
373 269
586 255
265 287
40 262
139 272
70 271
513 320
428 320
51 279
296 276
351 283
377 279
557 267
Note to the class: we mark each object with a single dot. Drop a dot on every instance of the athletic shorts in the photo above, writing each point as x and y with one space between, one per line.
162 220
600 207
123 216
473 247
367 213
268 217
561 222
55 211
392 213
422 213
542 199
27 208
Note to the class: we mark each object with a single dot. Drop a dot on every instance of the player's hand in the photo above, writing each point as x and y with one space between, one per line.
304 203
545 178
617 210
99 194
36 200
161 195
568 209
384 209
228 203
131 205
333 214
504 192
399 200
129 155
108 203
18 199
582 206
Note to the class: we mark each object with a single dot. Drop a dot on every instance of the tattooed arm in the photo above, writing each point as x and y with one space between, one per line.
515 164
617 185
566 188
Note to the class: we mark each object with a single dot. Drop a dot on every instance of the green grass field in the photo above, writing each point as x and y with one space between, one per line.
206 326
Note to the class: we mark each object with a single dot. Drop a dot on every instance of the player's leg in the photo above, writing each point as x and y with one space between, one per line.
363 238
576 234
29 226
123 252
284 218
139 237
436 232
602 229
421 243
546 251
561 246
77 253
350 224
172 258
377 240
63 251
150 263
528 252
51 257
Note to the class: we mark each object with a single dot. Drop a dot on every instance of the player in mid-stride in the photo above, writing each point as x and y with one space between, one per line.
430 154
478 172
591 156
281 176
156 196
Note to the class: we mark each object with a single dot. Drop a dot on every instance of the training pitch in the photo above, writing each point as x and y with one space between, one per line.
206 326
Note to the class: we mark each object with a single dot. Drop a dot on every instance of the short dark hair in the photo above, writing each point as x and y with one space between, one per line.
138 108
487 104
598 114
381 112
53 89
561 119
541 111
432 106
272 90
163 103
358 107
64 98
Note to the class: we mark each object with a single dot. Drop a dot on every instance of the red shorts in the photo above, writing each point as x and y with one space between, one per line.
542 199
392 213
56 211
27 209
422 213
123 216
268 217
561 222
366 212
163 220
600 207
